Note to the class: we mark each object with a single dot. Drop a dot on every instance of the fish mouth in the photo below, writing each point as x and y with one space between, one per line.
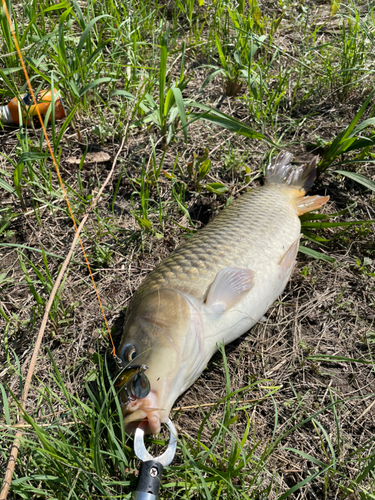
145 409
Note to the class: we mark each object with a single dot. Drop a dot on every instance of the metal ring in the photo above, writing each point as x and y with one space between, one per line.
140 449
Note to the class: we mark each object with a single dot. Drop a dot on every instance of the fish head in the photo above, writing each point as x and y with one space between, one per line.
154 337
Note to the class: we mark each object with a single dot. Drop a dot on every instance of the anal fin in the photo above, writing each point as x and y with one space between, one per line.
229 287
307 203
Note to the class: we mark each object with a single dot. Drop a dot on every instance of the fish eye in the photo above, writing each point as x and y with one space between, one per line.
140 386
128 353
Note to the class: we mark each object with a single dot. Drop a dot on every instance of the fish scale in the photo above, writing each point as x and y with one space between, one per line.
212 289
233 238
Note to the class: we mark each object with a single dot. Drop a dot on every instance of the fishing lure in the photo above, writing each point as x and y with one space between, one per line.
134 382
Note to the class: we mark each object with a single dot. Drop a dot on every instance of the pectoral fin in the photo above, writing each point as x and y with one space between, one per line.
229 287
288 260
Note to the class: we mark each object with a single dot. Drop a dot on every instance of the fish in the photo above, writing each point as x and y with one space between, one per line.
212 289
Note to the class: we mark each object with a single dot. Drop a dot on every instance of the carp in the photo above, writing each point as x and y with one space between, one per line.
212 289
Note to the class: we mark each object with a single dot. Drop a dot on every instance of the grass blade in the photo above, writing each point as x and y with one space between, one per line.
315 254
361 179
163 70
307 480
94 83
181 109
86 33
338 359
227 122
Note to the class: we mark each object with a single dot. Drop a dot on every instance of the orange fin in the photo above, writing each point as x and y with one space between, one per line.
307 203
288 260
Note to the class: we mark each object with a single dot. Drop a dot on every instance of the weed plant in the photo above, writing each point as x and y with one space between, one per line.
205 94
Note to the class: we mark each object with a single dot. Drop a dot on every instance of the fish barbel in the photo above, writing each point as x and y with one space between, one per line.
214 288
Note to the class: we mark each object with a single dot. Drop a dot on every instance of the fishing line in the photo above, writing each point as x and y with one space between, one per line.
56 168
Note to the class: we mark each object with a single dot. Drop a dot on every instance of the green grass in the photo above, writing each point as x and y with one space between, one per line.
82 450
205 93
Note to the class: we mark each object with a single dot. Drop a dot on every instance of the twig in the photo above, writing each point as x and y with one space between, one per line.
15 426
16 443
15 52
181 408
29 426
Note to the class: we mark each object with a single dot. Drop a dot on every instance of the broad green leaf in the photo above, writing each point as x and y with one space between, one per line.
216 187
360 143
200 166
276 23
316 239
144 223
231 124
361 179
241 6
17 175
9 71
5 407
344 145
37 477
98 50
16 245
312 216
365 160
362 126
81 19
305 456
151 101
358 116
204 168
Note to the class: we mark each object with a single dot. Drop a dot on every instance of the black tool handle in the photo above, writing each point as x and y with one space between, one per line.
148 481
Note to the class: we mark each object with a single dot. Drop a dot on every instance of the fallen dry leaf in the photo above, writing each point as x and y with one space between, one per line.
95 157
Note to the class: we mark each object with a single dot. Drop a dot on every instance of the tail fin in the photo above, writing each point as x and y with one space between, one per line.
281 171
300 179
